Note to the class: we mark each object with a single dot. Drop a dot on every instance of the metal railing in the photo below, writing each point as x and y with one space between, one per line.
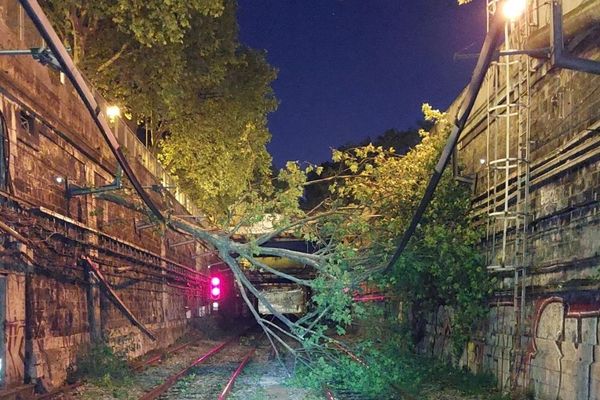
136 150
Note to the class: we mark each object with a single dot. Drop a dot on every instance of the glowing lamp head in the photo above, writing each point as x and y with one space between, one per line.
216 292
215 281
513 9
113 112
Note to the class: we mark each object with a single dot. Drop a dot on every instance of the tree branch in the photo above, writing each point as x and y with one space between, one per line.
114 58
265 238
291 278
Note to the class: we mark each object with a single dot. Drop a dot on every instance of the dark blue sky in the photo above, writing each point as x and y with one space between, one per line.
349 69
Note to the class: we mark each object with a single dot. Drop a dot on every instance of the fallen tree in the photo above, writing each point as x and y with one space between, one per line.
371 202
355 229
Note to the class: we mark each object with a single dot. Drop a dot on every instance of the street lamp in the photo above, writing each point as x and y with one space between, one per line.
113 112
513 9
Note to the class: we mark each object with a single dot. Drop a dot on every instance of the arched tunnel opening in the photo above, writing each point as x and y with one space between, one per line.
227 309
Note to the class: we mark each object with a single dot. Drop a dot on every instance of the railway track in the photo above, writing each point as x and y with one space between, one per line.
157 381
66 391
211 376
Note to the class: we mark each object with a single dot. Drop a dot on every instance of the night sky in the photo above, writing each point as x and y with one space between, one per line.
350 69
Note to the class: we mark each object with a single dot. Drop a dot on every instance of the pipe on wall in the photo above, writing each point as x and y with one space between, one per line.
486 56
582 18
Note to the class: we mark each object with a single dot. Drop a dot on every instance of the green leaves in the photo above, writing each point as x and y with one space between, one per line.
178 70
379 191
161 22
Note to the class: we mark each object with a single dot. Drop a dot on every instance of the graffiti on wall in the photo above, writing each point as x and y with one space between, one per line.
564 352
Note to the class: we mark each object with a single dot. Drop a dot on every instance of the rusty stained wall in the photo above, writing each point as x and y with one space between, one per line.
560 353
14 331
59 326
50 135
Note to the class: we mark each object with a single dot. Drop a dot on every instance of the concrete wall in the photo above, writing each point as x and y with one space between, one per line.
560 349
53 306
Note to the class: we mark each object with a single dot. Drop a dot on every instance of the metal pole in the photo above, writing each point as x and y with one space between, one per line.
59 51
558 57
484 61
16 52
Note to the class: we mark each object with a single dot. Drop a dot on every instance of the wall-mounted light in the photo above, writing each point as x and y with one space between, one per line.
59 179
513 9
482 161
113 112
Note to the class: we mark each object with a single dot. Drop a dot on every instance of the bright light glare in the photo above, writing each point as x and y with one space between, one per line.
215 305
112 112
215 291
513 9
59 179
482 161
215 281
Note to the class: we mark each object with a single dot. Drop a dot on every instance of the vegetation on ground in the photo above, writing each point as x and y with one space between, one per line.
389 367
101 366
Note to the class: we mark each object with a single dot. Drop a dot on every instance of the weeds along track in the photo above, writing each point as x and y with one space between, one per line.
155 369
138 367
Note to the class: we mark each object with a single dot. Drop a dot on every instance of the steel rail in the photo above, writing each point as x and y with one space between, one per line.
159 357
328 393
236 373
166 385
59 391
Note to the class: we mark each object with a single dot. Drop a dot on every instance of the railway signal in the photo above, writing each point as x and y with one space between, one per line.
215 291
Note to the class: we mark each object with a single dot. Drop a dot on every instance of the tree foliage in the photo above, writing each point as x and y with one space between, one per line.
316 192
355 228
178 70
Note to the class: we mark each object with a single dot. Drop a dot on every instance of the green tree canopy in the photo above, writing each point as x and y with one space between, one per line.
178 70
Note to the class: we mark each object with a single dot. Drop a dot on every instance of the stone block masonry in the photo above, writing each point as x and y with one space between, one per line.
54 305
560 336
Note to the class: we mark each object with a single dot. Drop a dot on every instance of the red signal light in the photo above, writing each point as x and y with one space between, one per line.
215 288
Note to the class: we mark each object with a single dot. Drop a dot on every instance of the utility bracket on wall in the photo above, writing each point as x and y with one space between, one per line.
559 56
42 54
140 225
172 245
75 190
